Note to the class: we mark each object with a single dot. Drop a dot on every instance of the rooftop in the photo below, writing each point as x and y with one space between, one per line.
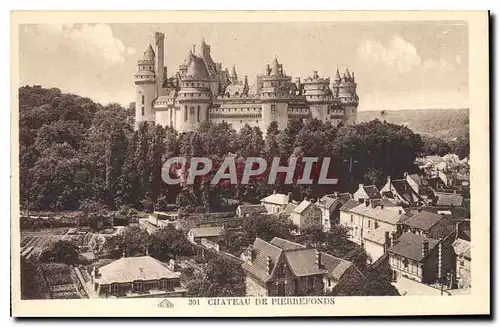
302 206
276 198
449 199
128 269
389 215
410 246
207 231
252 208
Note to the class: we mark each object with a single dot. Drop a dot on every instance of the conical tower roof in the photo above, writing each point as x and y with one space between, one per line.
347 73
149 54
275 67
337 75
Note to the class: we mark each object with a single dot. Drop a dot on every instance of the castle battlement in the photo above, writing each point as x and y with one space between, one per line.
203 89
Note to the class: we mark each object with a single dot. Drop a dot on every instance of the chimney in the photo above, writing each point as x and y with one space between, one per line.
274 192
360 186
315 74
289 196
269 265
425 248
124 254
405 175
147 251
305 198
389 182
336 194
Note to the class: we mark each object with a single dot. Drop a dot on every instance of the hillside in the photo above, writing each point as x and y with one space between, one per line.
442 123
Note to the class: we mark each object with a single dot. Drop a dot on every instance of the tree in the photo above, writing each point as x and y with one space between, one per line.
60 252
169 243
224 278
131 242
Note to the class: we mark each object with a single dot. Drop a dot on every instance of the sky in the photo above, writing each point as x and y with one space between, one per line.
398 65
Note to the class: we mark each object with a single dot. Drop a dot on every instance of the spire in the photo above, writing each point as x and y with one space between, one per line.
149 54
337 75
234 76
275 67
347 73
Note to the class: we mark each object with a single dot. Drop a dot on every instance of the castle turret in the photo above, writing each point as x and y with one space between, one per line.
246 88
320 98
274 95
161 71
345 90
234 76
194 98
145 81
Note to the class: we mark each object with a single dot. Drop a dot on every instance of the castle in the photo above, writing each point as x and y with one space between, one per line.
202 90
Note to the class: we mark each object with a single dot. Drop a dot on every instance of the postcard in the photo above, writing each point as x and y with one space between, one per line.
250 164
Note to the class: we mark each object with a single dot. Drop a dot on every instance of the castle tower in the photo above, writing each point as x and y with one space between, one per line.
161 72
234 76
274 96
194 98
345 89
319 96
145 81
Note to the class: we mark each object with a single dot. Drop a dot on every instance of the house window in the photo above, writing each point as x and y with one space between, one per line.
369 224
185 113
137 286
281 289
163 284
329 282
405 263
114 288
352 218
281 270
310 283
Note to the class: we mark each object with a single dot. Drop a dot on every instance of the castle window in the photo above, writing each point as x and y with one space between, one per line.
142 99
142 110
185 113
198 113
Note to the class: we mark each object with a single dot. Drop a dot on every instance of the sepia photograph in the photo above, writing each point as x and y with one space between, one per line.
199 164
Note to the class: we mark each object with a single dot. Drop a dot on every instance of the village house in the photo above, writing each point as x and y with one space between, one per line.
306 215
463 261
428 224
276 202
284 268
401 191
448 199
330 208
250 209
422 259
361 218
367 193
137 277
213 234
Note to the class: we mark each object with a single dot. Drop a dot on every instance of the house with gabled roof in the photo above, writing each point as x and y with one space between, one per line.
285 268
330 208
306 215
367 192
422 259
276 202
142 276
246 210
401 191
429 224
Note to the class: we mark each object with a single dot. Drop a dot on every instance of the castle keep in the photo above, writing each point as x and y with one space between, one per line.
202 90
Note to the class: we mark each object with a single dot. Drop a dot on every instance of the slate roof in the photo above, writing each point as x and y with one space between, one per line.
327 201
277 198
262 250
302 206
207 231
410 246
129 269
449 199
336 267
345 197
424 220
376 235
252 208
349 205
416 178
303 262
372 192
286 245
387 215
405 190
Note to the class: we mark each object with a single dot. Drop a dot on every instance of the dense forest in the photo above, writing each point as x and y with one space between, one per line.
446 124
75 153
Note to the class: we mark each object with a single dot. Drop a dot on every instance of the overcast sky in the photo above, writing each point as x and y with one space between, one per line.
401 65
